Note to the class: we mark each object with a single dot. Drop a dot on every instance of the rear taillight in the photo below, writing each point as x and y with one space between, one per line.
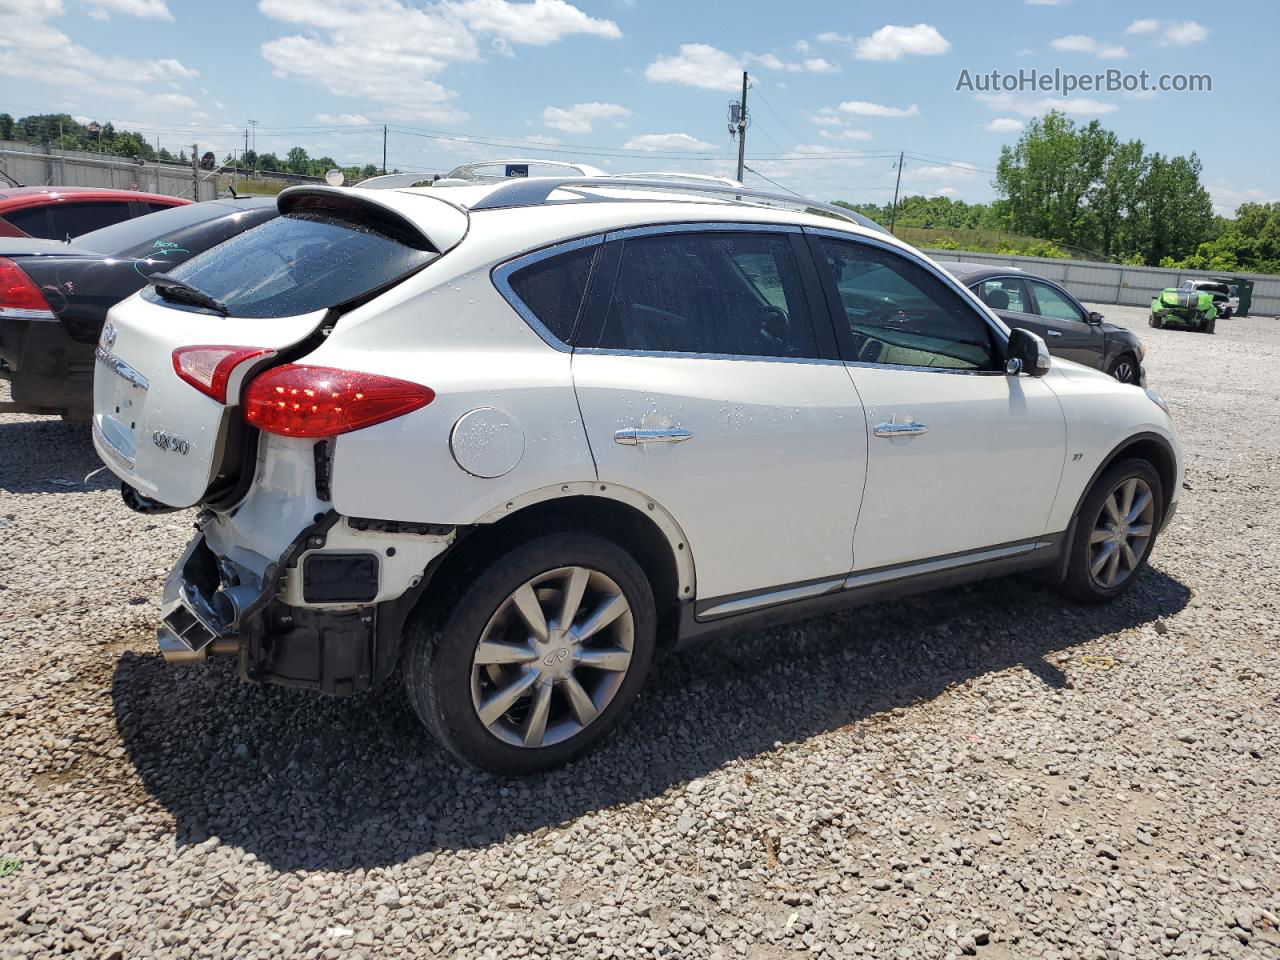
301 401
208 368
19 296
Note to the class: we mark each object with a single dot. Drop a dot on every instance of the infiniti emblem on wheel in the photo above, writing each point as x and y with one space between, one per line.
558 655
109 335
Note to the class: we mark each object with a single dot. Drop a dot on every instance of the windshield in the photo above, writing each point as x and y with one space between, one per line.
304 261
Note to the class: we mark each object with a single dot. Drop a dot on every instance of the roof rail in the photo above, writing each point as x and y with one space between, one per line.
394 181
469 171
676 175
534 191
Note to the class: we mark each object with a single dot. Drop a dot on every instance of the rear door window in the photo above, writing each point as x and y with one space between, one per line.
308 260
73 219
729 294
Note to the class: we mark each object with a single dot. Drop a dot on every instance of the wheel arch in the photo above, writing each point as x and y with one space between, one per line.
634 521
1153 448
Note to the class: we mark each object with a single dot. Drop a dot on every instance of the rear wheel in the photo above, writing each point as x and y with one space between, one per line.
1125 368
1155 321
1207 326
1114 533
539 657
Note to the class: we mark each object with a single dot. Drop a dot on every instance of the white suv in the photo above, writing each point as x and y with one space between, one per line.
516 438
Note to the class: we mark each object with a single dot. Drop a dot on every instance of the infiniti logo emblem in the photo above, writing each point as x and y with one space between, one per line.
558 655
109 336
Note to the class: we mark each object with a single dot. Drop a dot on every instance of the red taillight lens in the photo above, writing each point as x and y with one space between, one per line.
19 296
300 401
208 368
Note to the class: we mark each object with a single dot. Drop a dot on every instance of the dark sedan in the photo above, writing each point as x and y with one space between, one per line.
54 296
1041 306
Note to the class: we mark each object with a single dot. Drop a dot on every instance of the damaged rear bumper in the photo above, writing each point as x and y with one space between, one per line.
309 621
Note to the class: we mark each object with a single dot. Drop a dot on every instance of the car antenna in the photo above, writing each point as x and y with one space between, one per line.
232 190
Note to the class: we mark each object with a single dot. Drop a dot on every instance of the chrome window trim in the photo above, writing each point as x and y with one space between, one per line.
501 276
966 295
677 355
700 226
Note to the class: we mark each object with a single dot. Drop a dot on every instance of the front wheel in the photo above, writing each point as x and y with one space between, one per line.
1114 532
538 658
1125 368
1155 321
1208 326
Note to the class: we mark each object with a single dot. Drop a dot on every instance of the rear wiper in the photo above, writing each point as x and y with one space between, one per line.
175 291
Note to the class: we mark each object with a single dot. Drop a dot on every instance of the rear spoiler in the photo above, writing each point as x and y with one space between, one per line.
418 218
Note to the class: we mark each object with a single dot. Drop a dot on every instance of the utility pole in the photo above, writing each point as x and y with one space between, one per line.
893 214
742 127
195 171
384 149
254 124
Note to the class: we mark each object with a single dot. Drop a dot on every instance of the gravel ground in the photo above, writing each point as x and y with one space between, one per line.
985 770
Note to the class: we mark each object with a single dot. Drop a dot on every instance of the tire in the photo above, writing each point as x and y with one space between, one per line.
1155 321
1225 314
1208 326
1125 368
1085 581
449 680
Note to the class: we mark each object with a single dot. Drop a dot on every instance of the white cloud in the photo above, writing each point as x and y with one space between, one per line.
1079 43
801 46
538 23
1183 34
1034 107
1004 125
819 65
832 37
895 42
826 117
146 9
343 119
579 117
667 141
697 65
948 191
848 134
1148 25
1047 3
27 37
543 139
772 61
391 52
865 108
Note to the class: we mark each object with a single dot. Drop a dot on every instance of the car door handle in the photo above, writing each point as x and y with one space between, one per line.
632 436
891 430
1054 333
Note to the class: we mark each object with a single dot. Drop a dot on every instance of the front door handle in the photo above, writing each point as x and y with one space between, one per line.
632 436
891 430
1054 333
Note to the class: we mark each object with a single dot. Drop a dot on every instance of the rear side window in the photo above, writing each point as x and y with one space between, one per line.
552 289
33 221
308 260
734 294
1005 293
73 219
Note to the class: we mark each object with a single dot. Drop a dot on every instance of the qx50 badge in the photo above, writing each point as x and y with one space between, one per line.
166 441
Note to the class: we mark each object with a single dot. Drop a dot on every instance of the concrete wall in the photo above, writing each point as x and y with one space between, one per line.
1116 283
35 165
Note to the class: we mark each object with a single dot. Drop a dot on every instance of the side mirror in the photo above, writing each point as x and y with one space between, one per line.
1027 354
1094 317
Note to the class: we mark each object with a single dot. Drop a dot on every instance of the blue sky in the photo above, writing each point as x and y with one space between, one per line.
837 88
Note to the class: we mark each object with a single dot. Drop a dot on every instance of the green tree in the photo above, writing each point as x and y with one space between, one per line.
6 126
297 161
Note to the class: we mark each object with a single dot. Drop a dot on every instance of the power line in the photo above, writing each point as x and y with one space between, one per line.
775 183
785 125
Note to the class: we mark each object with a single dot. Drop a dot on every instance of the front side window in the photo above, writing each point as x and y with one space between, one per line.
1054 304
736 294
900 313
1005 293
310 259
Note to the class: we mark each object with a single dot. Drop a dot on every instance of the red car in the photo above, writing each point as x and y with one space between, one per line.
55 213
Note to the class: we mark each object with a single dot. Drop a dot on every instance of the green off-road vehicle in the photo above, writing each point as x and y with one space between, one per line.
1187 308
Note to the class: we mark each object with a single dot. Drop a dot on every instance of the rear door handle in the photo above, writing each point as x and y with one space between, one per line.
891 430
632 436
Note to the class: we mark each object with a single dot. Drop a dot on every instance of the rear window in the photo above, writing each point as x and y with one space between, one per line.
308 260
33 221
143 231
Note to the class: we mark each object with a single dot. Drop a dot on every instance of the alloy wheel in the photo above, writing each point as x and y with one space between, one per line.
1124 372
1121 532
552 657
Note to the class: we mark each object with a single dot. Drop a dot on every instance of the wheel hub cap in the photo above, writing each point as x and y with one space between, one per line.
1121 532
